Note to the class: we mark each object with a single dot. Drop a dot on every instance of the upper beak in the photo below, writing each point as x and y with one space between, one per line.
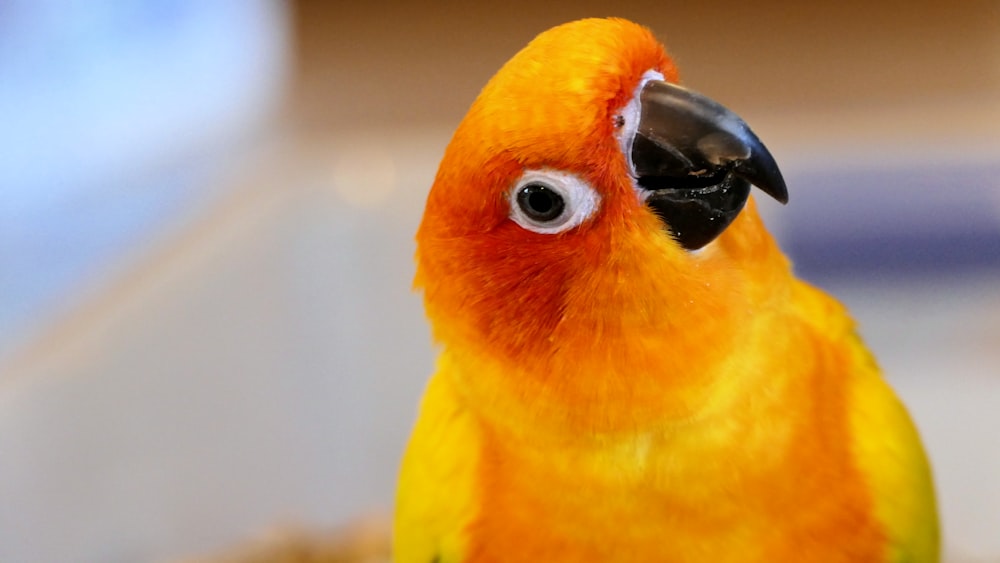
697 160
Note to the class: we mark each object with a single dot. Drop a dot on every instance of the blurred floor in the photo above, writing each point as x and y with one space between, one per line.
260 362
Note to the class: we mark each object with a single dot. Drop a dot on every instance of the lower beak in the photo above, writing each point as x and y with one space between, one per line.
695 162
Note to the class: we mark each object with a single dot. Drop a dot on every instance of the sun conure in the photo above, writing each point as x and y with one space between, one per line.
629 370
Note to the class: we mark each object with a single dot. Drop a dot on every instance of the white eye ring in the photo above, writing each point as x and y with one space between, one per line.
630 115
550 202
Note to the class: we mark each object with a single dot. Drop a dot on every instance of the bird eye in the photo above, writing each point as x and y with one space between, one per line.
540 202
549 201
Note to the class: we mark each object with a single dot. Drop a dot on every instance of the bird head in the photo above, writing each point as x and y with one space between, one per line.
588 228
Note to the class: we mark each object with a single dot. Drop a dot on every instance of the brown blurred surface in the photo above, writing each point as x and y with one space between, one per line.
376 64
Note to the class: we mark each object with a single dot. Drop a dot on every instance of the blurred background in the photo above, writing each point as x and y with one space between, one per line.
206 219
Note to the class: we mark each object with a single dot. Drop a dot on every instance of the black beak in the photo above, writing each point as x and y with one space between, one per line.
698 160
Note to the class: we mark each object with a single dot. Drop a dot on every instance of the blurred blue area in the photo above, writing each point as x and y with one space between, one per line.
114 116
918 219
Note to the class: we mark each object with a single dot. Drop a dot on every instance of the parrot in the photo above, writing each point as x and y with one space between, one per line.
628 368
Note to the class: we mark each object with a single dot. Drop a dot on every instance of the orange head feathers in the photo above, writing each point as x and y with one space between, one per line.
540 249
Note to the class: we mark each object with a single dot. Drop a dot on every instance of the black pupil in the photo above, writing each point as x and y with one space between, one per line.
540 202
